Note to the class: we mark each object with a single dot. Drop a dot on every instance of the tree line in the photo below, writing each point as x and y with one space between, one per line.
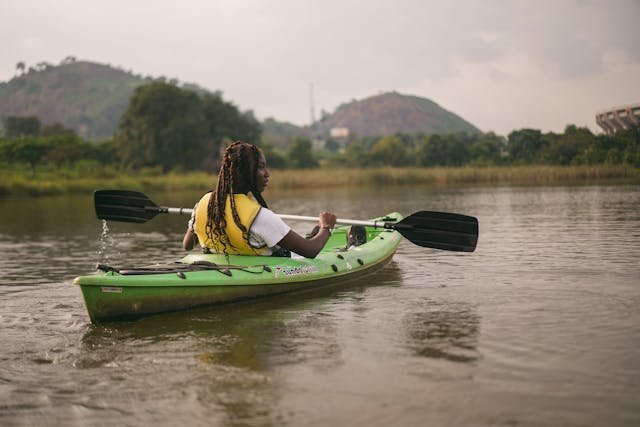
575 146
172 128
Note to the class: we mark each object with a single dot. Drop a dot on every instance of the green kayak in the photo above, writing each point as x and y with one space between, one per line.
206 279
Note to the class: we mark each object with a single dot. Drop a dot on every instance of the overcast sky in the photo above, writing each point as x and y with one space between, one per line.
501 65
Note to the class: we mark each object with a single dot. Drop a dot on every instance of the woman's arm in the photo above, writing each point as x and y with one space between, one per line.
189 240
310 248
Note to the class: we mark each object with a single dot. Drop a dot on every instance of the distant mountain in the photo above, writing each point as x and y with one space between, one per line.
280 134
90 98
391 113
379 115
84 96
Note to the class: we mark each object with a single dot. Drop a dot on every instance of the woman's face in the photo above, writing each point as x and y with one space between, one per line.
262 174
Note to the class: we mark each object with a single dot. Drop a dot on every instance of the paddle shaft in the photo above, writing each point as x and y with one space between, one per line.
376 224
189 211
438 230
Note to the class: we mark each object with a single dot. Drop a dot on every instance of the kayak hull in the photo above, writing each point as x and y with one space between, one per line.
208 279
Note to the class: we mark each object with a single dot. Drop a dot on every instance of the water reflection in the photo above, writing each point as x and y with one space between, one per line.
443 331
228 354
256 335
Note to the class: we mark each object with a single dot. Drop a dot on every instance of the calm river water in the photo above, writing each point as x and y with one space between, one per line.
539 327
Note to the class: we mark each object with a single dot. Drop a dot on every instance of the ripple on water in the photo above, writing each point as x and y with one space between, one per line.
539 326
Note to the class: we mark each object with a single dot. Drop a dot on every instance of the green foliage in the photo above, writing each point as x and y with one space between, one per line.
276 159
64 150
18 127
603 149
332 145
30 150
55 129
564 148
390 151
177 128
300 155
357 155
103 153
225 120
487 149
575 146
169 128
526 146
281 134
162 125
443 150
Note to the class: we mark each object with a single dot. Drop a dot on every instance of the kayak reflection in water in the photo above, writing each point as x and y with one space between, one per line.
234 218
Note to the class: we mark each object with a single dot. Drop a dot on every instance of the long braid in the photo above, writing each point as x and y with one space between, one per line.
253 184
216 221
237 175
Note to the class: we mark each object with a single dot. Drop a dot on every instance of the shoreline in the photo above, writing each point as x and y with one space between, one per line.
51 183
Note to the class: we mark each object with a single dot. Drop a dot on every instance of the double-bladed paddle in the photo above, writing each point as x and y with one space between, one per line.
438 230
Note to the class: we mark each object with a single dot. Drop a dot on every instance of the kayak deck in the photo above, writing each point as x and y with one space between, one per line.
201 279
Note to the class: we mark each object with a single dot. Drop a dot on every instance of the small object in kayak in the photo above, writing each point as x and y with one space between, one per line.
356 236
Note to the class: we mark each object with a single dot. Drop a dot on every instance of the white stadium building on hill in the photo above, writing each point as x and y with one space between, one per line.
619 118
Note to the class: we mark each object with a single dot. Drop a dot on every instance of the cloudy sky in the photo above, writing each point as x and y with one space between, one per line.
502 65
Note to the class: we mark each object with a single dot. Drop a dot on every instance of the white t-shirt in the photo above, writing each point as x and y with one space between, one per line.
267 228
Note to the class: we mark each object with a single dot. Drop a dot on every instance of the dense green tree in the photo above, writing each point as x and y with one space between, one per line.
332 145
612 149
31 150
226 121
486 149
356 155
163 125
18 127
300 155
443 150
390 151
56 129
275 158
104 152
64 149
628 142
526 146
178 128
564 148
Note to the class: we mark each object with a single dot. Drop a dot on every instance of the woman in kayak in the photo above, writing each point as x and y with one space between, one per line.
226 220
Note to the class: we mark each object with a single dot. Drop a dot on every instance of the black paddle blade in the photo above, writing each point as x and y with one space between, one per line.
124 206
440 230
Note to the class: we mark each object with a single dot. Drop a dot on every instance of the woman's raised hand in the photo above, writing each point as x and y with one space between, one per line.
327 220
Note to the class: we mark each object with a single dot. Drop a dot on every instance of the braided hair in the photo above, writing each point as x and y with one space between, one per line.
238 174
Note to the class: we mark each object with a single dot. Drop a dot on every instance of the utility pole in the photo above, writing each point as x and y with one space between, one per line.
311 103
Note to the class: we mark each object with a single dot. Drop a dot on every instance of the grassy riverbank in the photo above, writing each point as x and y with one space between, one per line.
50 182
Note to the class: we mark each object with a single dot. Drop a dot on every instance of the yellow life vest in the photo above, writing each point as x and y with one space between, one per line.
247 209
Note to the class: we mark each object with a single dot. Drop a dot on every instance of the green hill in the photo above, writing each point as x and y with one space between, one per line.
379 115
90 98
280 134
84 96
391 113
